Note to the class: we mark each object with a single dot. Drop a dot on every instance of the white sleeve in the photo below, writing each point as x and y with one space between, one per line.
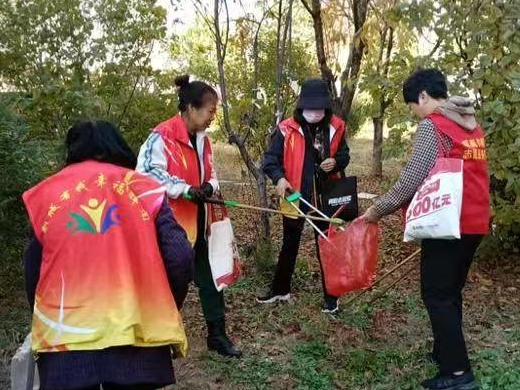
213 180
152 162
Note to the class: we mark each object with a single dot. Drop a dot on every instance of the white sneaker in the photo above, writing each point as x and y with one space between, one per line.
270 297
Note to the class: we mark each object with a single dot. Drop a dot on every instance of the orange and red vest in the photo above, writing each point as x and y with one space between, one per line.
470 146
102 279
182 162
294 147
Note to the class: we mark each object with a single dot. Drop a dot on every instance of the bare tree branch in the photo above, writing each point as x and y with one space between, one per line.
282 49
346 14
386 100
203 12
307 7
131 97
326 72
349 77
225 45
436 47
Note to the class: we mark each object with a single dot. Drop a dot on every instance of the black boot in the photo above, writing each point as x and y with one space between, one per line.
218 340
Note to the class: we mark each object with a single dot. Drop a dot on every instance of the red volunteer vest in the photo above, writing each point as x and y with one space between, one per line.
471 148
294 147
182 163
102 280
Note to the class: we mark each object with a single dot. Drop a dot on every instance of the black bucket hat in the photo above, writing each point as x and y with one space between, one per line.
314 95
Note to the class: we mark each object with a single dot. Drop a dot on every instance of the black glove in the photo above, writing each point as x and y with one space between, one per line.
207 189
197 194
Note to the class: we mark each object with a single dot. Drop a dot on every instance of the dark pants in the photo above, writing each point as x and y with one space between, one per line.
123 364
444 268
211 300
292 233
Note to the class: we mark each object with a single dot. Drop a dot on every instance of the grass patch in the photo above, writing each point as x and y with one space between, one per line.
357 316
311 366
380 367
498 369
250 372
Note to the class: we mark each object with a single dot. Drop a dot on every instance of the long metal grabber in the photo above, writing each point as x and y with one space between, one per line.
232 203
316 210
318 230
297 196
383 277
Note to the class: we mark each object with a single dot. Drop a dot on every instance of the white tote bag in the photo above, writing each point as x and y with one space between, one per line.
436 206
24 373
222 251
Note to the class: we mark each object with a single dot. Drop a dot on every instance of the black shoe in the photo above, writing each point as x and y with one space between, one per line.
465 381
218 340
330 305
270 297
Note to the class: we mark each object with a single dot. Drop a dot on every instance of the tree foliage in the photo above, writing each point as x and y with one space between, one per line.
61 61
78 59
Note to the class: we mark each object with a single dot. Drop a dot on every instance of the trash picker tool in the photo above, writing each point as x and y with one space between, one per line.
235 204
308 219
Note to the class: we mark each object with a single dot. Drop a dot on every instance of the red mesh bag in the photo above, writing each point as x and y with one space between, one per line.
349 257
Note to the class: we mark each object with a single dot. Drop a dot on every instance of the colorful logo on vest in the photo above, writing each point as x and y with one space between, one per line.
99 218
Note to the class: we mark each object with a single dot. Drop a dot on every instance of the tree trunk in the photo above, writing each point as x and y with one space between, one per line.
377 150
280 59
234 138
317 23
385 53
258 174
261 186
349 76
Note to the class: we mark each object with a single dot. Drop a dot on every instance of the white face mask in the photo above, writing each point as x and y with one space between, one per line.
313 116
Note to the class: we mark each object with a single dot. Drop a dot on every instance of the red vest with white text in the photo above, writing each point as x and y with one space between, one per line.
469 146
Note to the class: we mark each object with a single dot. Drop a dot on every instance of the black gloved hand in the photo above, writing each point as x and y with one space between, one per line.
197 194
207 189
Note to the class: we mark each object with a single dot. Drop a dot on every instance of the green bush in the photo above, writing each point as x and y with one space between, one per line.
22 164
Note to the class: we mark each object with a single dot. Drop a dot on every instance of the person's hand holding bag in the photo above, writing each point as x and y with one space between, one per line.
371 215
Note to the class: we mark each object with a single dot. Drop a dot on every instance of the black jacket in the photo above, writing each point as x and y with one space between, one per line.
272 163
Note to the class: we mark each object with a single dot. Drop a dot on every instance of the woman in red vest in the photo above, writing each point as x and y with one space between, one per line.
178 155
107 270
444 263
305 150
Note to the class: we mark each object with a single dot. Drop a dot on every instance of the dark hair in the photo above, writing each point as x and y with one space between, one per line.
323 124
98 140
196 93
432 81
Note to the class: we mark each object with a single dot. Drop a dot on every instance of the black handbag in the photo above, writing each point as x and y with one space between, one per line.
336 193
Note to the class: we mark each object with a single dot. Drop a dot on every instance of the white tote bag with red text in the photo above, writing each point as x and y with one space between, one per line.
436 206
222 250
